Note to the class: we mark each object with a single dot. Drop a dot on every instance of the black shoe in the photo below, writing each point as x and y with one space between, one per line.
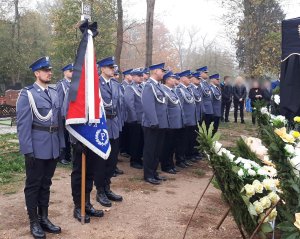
198 157
115 175
119 171
152 181
187 163
193 160
77 215
36 230
125 155
181 165
242 122
111 195
160 178
92 212
45 223
227 120
136 165
176 170
170 171
64 162
102 198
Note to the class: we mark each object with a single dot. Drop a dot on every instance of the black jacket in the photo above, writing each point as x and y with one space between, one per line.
267 94
253 93
227 92
239 92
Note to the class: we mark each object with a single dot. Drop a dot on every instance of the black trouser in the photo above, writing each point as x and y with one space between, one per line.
189 141
107 167
239 105
208 119
136 142
167 153
93 164
124 139
66 154
179 149
225 107
253 115
216 124
38 182
153 143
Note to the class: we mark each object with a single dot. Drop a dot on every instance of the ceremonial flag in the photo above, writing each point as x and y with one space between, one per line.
85 118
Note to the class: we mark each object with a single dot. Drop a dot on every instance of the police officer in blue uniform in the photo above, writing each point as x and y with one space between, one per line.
133 103
173 138
110 93
154 122
62 87
41 138
206 96
194 86
146 75
124 136
187 101
216 100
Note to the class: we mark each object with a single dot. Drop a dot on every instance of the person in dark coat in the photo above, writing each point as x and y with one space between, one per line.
255 94
227 92
239 96
267 92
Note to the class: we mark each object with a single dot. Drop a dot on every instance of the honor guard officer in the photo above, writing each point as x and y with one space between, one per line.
154 121
187 101
110 96
62 87
173 138
116 73
146 75
133 103
217 100
206 96
41 138
124 138
194 86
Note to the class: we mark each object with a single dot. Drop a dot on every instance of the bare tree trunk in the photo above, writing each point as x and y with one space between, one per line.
149 31
119 33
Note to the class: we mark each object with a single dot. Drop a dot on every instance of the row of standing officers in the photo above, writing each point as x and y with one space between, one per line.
148 120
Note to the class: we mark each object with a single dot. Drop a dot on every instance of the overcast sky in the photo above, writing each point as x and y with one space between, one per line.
203 14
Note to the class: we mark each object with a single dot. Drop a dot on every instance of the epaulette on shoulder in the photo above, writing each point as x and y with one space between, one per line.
29 87
52 87
115 80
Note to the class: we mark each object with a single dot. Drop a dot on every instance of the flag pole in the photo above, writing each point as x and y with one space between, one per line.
83 177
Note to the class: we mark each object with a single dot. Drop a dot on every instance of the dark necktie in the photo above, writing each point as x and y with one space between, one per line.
108 84
47 93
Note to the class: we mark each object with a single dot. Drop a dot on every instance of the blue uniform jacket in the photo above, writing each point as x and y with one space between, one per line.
198 100
133 103
111 101
207 97
154 106
175 111
43 144
188 104
217 100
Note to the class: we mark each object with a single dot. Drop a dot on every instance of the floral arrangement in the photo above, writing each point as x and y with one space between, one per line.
235 177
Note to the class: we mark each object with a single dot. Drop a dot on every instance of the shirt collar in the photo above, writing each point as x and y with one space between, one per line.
183 85
43 89
106 81
169 87
68 80
155 81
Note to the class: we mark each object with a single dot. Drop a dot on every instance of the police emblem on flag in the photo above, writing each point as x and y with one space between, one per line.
102 137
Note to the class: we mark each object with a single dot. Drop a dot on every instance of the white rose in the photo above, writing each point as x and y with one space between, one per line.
264 110
259 188
266 202
217 146
241 173
277 99
258 207
262 172
269 184
250 190
251 172
247 166
295 162
289 149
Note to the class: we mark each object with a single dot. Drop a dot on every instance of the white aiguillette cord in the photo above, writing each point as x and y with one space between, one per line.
35 110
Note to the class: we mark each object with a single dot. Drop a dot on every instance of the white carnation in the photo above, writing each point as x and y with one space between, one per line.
241 173
264 110
217 146
251 172
277 99
289 149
